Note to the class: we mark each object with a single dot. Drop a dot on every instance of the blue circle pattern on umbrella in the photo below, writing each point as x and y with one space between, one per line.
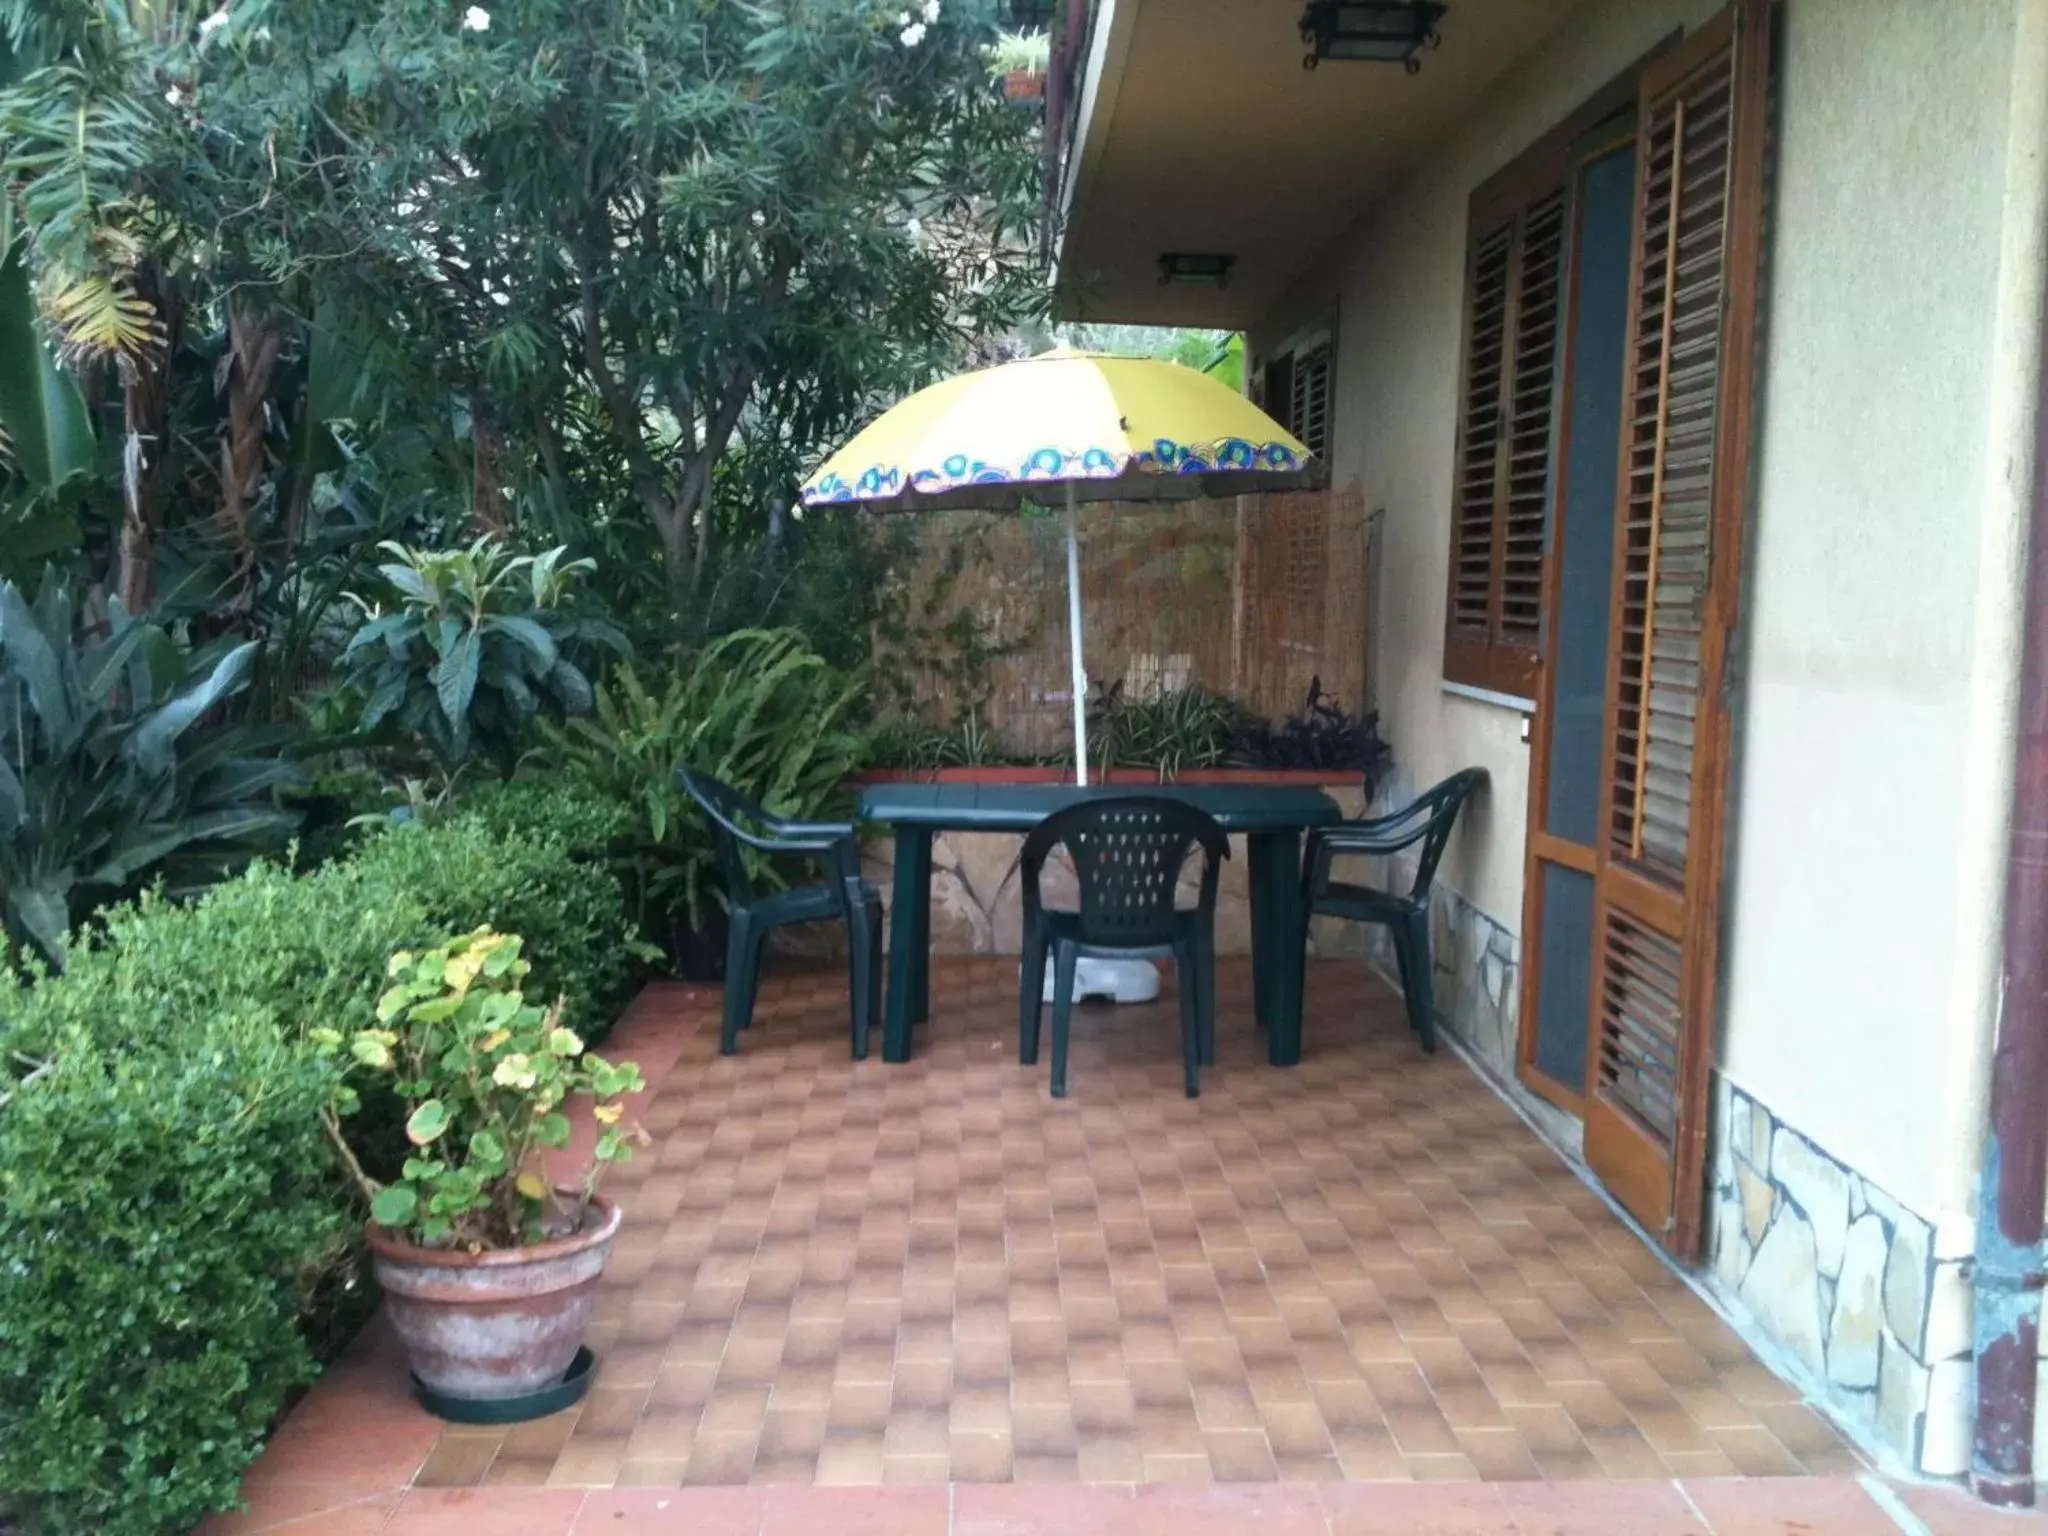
1053 464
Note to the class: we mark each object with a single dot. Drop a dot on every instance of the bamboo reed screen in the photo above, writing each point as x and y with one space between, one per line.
1250 596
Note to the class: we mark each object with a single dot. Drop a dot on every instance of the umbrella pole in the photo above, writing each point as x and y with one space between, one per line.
1074 643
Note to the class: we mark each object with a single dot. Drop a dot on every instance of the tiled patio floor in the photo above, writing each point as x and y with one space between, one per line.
1365 1267
1110 1315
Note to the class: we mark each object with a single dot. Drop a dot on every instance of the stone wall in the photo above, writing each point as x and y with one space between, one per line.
1845 1280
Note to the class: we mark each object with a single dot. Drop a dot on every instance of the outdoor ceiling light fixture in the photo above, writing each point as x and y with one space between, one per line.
1196 267
1386 31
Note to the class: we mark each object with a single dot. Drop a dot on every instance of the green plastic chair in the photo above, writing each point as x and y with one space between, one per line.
1426 820
738 824
1128 851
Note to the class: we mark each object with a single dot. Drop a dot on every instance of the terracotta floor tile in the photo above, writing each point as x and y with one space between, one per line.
832 1271
900 1470
1239 1456
1497 1455
652 1472
979 1456
721 1457
519 1472
1177 1469
854 1460
458 1461
1691 1464
1624 1453
589 1461
1442 1467
1796 1427
1757 1453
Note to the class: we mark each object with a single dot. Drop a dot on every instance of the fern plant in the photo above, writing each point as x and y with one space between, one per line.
757 709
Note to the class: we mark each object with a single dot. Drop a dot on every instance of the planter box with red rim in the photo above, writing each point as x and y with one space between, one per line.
1134 776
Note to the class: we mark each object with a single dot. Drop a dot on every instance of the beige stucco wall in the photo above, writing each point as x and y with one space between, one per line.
1862 686
1854 841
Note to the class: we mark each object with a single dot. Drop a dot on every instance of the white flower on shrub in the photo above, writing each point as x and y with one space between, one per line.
912 35
931 13
476 19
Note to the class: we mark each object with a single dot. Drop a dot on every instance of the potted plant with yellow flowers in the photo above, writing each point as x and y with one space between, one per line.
489 1270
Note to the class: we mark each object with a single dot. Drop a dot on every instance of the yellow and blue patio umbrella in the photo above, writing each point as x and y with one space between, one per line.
1097 428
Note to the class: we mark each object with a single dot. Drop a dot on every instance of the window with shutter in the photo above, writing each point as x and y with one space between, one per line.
1525 502
1298 384
1309 409
1500 515
1472 521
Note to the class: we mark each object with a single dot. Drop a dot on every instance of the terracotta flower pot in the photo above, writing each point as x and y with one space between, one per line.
1024 84
502 1324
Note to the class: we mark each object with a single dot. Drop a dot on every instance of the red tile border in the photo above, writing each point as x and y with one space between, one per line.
1819 1506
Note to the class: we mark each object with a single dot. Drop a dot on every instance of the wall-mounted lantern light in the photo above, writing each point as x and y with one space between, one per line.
1212 267
1386 31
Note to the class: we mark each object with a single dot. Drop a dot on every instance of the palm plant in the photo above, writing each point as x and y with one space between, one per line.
113 769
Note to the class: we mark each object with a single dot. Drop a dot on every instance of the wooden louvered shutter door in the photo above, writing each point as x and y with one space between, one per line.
1678 545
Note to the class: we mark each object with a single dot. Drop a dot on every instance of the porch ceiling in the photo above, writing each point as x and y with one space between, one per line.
1202 132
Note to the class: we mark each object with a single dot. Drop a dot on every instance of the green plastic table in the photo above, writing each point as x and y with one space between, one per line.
1272 818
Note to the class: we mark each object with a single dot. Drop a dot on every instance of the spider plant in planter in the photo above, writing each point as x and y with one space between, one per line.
1019 60
489 1271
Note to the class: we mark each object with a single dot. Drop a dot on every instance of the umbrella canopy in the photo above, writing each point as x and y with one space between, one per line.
1081 425
1108 428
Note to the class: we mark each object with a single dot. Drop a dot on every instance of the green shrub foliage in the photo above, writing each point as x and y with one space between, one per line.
166 1206
174 1237
485 870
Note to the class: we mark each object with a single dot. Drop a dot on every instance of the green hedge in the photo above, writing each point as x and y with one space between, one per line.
506 863
175 1248
164 1208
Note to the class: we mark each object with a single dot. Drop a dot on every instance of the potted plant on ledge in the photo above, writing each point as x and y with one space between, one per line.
489 1271
1019 60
